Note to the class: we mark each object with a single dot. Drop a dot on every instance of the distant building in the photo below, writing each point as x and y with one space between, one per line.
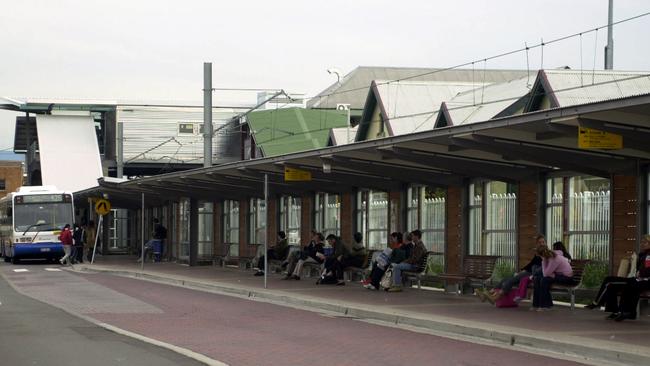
11 176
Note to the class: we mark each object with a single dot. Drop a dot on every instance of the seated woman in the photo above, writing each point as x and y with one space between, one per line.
380 265
632 290
555 269
504 287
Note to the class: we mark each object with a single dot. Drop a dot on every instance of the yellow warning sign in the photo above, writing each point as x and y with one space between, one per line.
296 175
102 206
589 138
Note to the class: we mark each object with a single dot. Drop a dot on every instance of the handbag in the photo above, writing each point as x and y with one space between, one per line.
387 279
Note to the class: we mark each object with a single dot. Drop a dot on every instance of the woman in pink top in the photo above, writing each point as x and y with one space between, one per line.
556 269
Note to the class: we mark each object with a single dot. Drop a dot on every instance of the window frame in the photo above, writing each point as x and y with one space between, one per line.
321 213
256 221
231 209
417 211
290 205
364 215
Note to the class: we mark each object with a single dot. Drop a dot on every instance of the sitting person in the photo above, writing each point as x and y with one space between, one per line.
611 286
555 269
312 253
411 263
631 291
344 257
382 262
504 287
279 251
558 245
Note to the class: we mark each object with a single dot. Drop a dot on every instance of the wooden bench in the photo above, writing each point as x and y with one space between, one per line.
476 268
420 272
364 270
244 259
578 267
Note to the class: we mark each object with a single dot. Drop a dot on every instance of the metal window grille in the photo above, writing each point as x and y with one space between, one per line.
206 229
257 221
290 218
231 226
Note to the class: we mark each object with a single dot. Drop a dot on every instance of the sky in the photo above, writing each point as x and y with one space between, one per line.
154 50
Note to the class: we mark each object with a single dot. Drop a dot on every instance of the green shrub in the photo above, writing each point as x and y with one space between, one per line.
502 270
594 274
435 266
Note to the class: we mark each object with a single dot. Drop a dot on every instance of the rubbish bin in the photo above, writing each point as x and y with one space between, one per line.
157 250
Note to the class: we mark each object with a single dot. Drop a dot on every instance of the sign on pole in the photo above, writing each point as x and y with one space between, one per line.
296 175
102 206
589 138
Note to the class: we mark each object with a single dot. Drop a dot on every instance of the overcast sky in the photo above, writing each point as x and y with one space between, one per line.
152 50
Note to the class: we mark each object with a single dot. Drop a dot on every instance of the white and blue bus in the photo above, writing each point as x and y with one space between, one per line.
31 220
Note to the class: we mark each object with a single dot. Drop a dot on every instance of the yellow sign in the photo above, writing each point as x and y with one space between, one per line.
102 207
296 175
588 138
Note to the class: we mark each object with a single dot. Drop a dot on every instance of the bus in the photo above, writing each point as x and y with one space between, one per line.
31 220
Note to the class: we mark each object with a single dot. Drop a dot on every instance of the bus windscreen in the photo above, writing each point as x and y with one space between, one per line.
51 216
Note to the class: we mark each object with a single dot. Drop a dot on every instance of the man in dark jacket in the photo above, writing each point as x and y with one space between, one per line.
279 251
411 263
641 283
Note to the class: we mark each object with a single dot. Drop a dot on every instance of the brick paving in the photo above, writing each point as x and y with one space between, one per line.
243 332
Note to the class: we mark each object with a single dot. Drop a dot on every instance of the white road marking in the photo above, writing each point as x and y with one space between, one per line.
21 270
52 269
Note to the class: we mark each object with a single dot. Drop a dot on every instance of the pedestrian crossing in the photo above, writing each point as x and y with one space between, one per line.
22 270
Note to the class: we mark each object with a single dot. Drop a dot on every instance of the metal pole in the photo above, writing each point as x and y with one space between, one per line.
142 228
348 141
266 241
97 232
609 49
207 114
120 150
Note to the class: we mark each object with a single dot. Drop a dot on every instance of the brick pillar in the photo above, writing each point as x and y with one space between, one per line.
272 220
528 221
395 213
243 232
306 224
625 231
454 249
347 216
217 242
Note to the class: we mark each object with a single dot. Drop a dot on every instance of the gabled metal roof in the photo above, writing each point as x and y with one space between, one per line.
574 87
353 88
342 136
287 130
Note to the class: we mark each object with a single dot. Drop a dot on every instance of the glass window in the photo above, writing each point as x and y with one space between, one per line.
327 214
256 221
2 185
583 220
493 220
290 218
231 226
426 211
206 229
372 218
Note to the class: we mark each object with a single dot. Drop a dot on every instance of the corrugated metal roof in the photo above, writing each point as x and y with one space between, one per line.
574 87
413 106
288 130
482 104
343 135
353 87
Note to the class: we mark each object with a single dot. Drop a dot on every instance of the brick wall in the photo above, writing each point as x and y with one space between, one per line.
306 224
347 216
272 220
454 249
624 219
12 174
528 220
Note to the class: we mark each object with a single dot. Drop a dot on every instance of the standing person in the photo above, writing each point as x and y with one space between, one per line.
555 269
278 251
504 287
411 263
78 238
66 240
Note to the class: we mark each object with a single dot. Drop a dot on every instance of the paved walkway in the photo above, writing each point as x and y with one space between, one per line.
581 332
